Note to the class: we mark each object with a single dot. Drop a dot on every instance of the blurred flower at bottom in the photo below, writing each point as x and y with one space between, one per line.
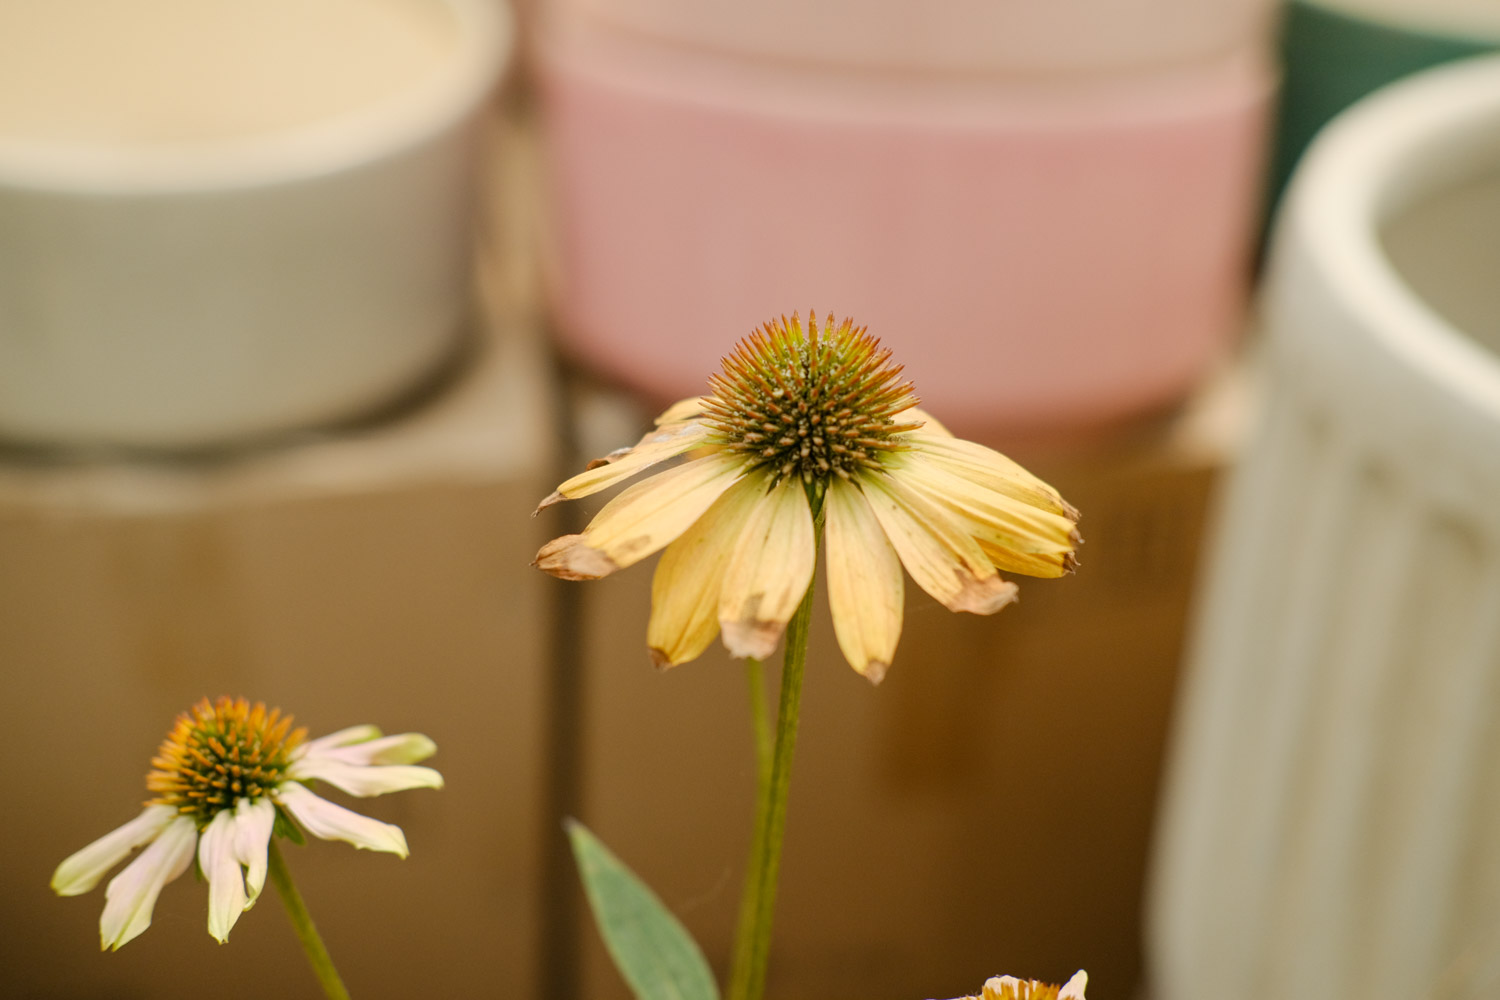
1011 988
227 778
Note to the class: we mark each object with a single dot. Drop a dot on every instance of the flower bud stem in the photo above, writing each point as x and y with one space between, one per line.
302 926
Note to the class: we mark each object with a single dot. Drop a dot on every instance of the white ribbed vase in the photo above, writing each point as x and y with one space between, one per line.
1331 829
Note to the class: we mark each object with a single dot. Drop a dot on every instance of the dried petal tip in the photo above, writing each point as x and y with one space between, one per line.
753 639
874 671
571 558
985 596
552 498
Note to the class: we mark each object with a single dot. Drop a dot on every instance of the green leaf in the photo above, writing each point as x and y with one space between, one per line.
653 951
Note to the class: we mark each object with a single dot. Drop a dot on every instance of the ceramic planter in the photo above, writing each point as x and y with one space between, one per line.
1038 255
184 295
1330 830
1334 53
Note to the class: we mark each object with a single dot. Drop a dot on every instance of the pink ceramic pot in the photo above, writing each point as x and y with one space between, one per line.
1060 254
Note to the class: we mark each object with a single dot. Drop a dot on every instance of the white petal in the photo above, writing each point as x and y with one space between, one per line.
768 572
220 864
131 895
82 870
254 822
325 820
403 748
357 779
864 582
342 738
1075 986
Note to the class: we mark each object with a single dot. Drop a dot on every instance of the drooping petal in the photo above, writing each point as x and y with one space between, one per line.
1073 989
1014 535
340 738
82 870
864 582
944 561
668 440
685 589
131 895
220 863
684 409
988 468
253 823
403 748
768 572
641 520
327 821
362 780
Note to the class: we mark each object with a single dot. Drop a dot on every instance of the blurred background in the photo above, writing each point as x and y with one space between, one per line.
305 304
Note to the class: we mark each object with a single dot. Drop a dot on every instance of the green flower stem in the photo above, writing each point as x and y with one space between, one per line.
752 951
302 926
760 725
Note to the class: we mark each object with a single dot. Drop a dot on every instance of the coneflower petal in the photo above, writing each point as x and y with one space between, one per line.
642 520
82 870
685 589
944 561
670 439
220 864
769 571
864 582
253 823
327 821
131 895
1014 536
988 468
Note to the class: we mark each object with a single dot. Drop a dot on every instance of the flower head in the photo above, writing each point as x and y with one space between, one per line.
1011 988
797 426
224 776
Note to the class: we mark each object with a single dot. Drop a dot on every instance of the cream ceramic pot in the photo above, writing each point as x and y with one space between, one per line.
1032 36
185 290
1330 830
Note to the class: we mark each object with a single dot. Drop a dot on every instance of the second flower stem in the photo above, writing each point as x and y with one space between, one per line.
753 940
303 927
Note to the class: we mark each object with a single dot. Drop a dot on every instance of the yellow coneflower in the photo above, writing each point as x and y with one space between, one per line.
797 425
1011 988
221 777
